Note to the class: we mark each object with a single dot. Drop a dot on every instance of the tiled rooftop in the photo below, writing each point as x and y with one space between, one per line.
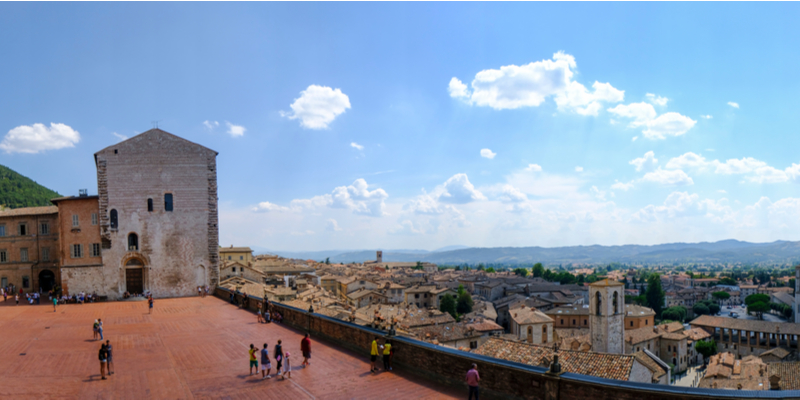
188 348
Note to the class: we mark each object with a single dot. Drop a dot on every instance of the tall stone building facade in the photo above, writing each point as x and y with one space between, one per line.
607 316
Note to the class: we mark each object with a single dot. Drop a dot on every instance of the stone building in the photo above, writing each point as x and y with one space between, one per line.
531 325
29 248
606 305
79 240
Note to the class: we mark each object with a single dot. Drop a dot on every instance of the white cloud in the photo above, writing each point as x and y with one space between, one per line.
723 191
425 204
38 137
332 225
656 127
119 136
755 171
657 100
533 168
459 190
530 85
512 194
622 186
733 104
318 106
235 130
665 177
706 116
356 146
356 198
633 139
578 169
486 153
646 163
597 193
210 125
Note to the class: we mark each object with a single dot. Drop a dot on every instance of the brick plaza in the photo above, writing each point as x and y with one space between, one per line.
188 348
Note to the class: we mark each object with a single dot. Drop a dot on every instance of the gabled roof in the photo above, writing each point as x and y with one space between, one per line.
25 211
154 133
606 282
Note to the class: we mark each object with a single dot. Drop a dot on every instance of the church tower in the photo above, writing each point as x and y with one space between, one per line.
607 316
796 293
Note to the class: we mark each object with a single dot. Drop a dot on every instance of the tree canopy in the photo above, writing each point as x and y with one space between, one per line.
448 305
464 303
17 191
721 295
706 348
538 270
655 294
756 298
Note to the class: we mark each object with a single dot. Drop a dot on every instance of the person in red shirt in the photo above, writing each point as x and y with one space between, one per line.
305 347
472 381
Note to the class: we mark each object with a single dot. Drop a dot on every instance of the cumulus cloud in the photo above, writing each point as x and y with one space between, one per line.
597 193
665 177
119 136
356 146
356 198
657 100
486 153
529 85
37 138
235 130
733 104
512 194
533 168
459 190
210 125
646 163
332 225
622 186
656 127
318 106
755 171
683 204
578 169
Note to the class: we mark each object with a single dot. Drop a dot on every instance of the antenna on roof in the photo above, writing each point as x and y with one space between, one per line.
155 123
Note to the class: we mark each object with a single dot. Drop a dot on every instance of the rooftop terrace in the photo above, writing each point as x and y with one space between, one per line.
188 348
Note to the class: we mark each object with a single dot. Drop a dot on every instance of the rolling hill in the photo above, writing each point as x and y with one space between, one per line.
17 191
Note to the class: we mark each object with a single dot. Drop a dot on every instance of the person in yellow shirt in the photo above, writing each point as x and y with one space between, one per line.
253 359
373 355
387 352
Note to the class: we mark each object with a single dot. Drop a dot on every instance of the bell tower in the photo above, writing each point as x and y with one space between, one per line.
607 316
796 293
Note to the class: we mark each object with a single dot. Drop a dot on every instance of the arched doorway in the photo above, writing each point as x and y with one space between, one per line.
47 279
134 276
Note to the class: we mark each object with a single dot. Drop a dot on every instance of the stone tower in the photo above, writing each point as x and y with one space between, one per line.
379 257
607 316
797 293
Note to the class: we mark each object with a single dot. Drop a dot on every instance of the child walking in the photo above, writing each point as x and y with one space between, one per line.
287 366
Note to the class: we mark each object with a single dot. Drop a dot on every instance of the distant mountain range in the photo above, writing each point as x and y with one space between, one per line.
726 251
18 191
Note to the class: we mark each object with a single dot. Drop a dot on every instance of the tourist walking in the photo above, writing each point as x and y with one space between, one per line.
150 304
100 328
103 356
95 326
265 364
110 362
253 359
278 357
373 355
287 367
16 297
258 312
55 303
387 352
305 348
472 381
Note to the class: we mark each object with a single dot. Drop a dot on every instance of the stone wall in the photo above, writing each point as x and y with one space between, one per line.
14 270
500 379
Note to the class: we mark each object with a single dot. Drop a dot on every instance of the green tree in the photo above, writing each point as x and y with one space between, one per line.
756 298
759 308
655 294
327 260
676 313
538 270
461 289
490 269
418 266
464 304
727 281
523 272
480 267
707 348
448 305
701 309
721 295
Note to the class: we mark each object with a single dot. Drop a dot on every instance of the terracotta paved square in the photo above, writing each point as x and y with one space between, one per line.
188 348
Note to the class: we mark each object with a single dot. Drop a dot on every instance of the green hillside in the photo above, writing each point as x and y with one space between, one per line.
18 191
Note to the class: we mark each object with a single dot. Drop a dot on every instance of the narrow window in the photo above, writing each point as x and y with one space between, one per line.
23 229
150 205
3 256
23 254
645 322
168 202
44 228
77 251
75 220
631 323
114 220
615 303
241 257
94 218
599 302
133 242
2 230
45 254
229 257
26 282
95 249
544 333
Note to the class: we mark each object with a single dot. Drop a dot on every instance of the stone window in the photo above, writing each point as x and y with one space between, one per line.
599 302
645 322
2 230
45 254
114 221
241 257
150 205
631 323
94 218
168 202
44 228
23 254
26 282
133 242
615 304
233 269
23 229
75 221
229 257
473 344
3 256
544 333
95 249
77 251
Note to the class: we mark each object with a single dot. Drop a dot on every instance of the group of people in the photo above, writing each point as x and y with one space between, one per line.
203 291
376 350
106 359
98 329
268 316
283 359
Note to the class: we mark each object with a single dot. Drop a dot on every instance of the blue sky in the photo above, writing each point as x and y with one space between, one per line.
419 125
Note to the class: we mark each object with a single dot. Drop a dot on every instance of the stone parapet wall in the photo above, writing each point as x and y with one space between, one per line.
499 378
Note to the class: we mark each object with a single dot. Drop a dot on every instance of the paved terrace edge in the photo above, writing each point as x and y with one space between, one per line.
499 378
